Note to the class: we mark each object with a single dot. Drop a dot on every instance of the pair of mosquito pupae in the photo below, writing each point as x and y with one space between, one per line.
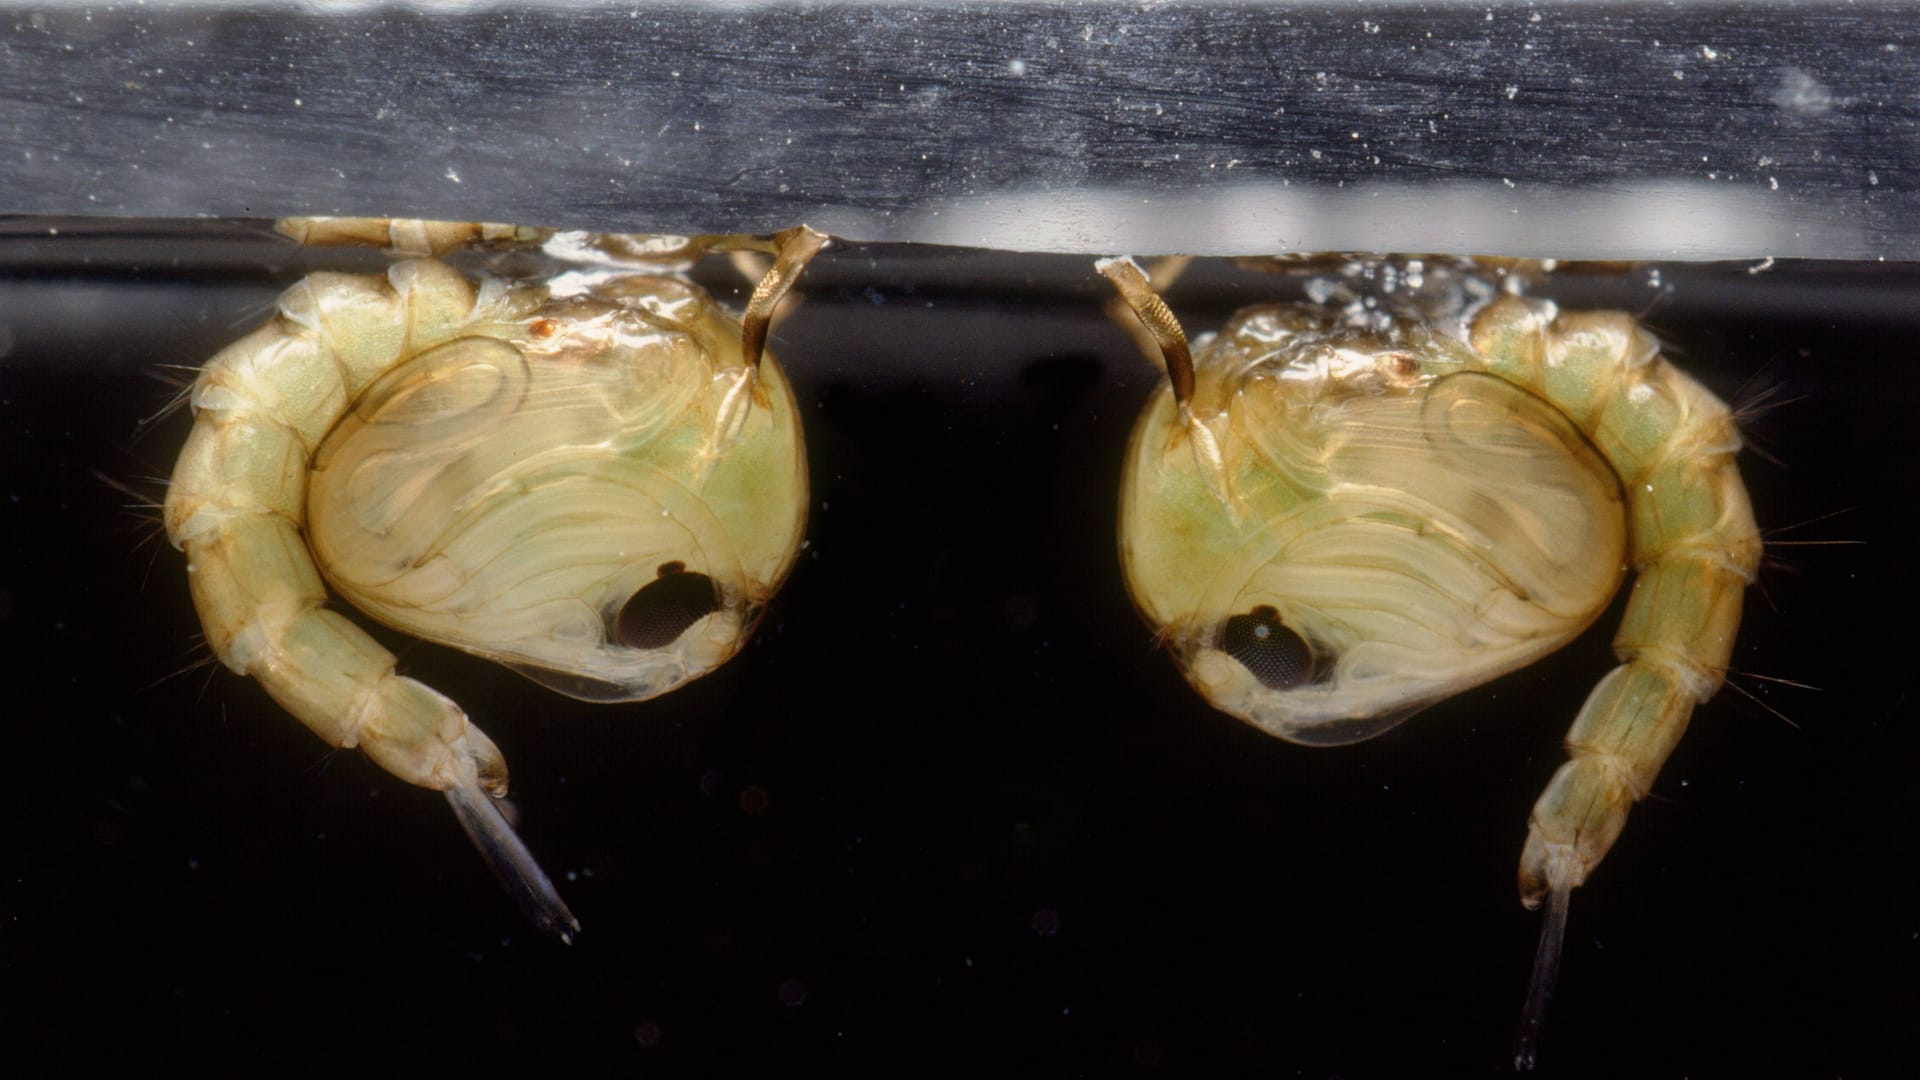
599 480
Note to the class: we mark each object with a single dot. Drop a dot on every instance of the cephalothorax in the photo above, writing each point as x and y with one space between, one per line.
596 479
1335 522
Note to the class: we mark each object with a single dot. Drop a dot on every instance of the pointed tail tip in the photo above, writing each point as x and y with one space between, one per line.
1546 965
560 924
512 864
1526 1049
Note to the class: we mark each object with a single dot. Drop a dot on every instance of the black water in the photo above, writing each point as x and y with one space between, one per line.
951 811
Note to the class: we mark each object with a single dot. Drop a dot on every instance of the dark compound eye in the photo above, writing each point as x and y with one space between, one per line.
1277 656
661 611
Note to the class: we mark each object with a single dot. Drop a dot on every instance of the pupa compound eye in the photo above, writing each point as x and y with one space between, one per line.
1265 646
1434 502
497 466
665 608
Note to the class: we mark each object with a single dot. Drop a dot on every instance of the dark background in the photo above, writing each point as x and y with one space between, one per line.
950 811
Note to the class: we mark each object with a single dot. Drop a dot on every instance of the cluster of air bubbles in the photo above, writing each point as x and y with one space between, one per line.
623 251
1370 292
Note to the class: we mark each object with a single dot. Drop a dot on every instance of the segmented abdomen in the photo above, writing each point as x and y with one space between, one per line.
237 506
1691 540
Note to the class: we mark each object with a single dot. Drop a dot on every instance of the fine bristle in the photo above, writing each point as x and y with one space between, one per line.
1546 970
510 860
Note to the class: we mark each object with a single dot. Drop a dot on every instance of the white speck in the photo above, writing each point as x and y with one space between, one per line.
1708 52
1512 91
1678 74
1370 27
1773 183
1017 68
1873 178
451 175
1762 266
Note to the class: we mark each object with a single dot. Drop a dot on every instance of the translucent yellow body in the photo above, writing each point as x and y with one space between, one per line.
1331 527
600 489
1421 525
509 490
